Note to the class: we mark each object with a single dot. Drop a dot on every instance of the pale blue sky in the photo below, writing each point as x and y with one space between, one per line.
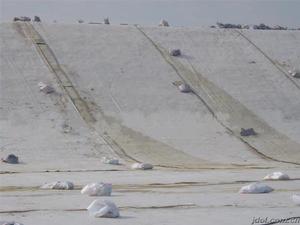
149 12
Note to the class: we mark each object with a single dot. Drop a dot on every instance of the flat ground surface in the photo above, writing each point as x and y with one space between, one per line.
116 95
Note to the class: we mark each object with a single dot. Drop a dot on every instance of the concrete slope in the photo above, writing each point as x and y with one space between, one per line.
281 47
118 84
115 96
240 85
128 87
43 130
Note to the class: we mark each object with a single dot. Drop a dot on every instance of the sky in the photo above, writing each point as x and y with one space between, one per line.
150 12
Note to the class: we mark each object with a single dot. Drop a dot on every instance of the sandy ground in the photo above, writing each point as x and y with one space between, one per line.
114 96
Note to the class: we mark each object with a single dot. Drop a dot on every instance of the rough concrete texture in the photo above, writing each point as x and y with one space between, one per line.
116 96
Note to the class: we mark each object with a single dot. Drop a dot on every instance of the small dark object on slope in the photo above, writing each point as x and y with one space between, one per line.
47 89
247 132
175 52
11 158
37 19
295 73
106 21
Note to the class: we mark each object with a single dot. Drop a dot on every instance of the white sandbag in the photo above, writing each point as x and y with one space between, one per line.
104 208
97 189
108 160
59 185
47 89
185 88
255 188
296 199
277 176
141 166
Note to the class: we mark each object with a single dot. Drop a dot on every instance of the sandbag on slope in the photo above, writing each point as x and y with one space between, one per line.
106 209
255 188
97 189
277 176
59 185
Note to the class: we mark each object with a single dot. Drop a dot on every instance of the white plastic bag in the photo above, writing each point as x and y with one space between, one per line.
45 88
104 208
185 88
141 166
255 188
59 185
97 189
296 199
108 160
277 176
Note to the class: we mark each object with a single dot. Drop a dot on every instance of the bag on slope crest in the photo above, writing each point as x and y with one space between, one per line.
105 208
97 189
163 23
